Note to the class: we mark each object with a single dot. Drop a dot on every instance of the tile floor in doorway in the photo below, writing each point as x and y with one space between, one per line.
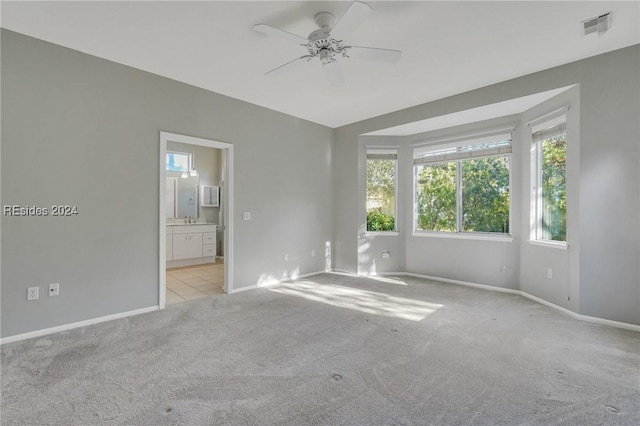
194 282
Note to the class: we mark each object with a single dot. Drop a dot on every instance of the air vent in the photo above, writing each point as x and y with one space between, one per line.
599 24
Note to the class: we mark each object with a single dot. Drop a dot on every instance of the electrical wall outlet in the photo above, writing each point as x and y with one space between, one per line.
33 293
54 289
286 257
549 273
313 253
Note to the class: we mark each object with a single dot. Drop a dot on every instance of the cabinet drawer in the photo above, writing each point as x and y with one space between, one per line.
208 238
209 250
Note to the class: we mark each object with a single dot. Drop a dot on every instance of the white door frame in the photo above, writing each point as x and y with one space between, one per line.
227 208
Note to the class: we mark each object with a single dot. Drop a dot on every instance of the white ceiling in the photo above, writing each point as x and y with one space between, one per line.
448 47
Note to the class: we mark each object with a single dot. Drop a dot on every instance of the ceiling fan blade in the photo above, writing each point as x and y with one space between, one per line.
285 35
333 73
355 14
373 53
307 57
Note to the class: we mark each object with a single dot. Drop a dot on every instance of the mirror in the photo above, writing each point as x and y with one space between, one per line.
183 194
188 197
181 197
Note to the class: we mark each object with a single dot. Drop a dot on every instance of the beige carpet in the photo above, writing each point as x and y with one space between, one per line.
332 350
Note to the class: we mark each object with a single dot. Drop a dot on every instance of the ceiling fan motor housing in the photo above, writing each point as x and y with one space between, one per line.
319 35
321 44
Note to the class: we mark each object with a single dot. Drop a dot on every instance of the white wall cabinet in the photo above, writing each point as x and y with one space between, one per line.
209 196
190 244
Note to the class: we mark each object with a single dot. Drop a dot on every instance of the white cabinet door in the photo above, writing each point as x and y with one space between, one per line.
181 246
169 247
185 246
195 245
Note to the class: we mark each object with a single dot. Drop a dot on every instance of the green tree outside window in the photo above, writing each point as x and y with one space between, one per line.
381 198
553 195
484 184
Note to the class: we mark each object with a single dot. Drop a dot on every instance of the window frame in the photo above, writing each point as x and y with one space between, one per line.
383 151
550 125
189 161
495 137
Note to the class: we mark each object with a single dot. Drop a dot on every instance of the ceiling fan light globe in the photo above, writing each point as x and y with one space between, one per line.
324 19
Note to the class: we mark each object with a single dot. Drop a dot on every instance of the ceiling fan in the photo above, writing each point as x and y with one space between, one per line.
327 42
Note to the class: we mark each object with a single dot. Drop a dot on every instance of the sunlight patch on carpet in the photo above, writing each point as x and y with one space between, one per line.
365 301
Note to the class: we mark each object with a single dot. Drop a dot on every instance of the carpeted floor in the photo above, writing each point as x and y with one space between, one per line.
334 350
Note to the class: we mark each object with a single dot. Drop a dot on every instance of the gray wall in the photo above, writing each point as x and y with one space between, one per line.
84 131
563 287
607 232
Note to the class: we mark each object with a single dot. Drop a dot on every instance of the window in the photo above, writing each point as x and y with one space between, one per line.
463 187
381 190
549 180
178 161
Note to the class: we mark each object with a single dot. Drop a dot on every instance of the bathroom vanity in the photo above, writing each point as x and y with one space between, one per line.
190 244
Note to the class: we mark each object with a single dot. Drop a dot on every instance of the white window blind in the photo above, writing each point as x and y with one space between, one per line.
382 154
549 133
496 145
549 129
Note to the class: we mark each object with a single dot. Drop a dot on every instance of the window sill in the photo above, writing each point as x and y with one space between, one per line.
550 244
464 236
381 234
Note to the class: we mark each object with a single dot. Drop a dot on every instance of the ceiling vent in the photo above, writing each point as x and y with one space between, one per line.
599 24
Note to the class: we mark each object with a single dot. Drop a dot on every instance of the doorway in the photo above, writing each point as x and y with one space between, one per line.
198 244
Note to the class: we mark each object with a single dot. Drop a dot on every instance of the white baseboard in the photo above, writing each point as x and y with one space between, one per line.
274 282
310 274
587 318
465 283
70 326
345 272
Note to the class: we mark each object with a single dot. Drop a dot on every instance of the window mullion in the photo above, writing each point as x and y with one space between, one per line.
539 230
458 196
415 198
395 194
